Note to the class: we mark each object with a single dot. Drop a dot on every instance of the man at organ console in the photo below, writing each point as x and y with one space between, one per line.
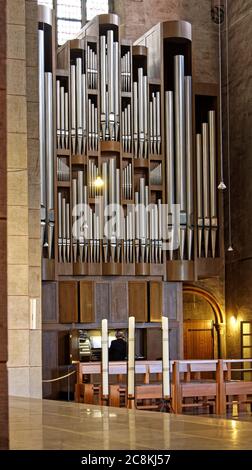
118 347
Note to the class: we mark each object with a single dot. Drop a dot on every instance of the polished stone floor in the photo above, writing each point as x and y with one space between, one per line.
44 424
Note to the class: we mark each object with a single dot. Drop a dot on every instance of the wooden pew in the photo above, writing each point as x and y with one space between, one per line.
202 392
235 391
92 391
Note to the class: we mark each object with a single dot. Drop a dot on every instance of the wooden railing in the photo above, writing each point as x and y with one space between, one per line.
194 383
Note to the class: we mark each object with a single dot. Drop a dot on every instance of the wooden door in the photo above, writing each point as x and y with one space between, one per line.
68 301
198 339
87 302
138 306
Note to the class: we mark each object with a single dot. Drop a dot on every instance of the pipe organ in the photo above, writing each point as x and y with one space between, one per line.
128 148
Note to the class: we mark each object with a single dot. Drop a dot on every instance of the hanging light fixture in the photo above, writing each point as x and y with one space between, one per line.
230 247
217 12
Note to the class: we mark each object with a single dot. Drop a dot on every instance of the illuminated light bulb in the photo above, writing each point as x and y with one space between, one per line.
230 248
233 321
222 186
99 182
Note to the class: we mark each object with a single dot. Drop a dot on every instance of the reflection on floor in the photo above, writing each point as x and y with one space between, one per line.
43 424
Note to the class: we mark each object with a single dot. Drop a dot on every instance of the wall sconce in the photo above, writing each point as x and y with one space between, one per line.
234 321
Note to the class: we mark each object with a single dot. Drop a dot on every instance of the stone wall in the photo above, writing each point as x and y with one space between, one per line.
239 263
24 281
138 16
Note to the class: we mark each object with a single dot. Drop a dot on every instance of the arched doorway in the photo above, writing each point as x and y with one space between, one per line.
204 330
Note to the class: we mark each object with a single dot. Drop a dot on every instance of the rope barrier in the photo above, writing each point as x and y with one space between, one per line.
59 378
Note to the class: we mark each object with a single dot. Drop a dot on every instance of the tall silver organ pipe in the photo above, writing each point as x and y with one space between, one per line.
66 121
189 164
213 186
58 113
140 116
180 132
111 98
74 219
199 191
116 91
46 130
206 185
84 113
135 118
169 130
79 104
103 85
42 151
109 89
73 107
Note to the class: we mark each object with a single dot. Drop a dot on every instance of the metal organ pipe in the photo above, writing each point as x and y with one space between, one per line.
213 192
146 127
66 121
103 84
206 184
58 113
84 113
79 103
169 120
189 163
111 111
75 234
141 112
60 227
62 116
116 89
49 159
42 150
135 120
180 132
73 107
199 191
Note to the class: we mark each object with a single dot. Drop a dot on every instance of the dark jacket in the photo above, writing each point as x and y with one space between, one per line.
118 350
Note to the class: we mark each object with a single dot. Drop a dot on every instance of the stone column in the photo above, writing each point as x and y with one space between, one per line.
23 199
3 238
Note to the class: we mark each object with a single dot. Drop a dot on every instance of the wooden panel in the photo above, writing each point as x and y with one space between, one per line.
102 300
198 339
138 306
50 363
87 310
68 302
153 346
156 301
119 302
49 302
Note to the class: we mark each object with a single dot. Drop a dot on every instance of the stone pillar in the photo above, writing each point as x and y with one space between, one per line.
23 197
3 238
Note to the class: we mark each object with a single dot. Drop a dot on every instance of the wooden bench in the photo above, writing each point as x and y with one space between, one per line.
201 392
235 391
91 392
